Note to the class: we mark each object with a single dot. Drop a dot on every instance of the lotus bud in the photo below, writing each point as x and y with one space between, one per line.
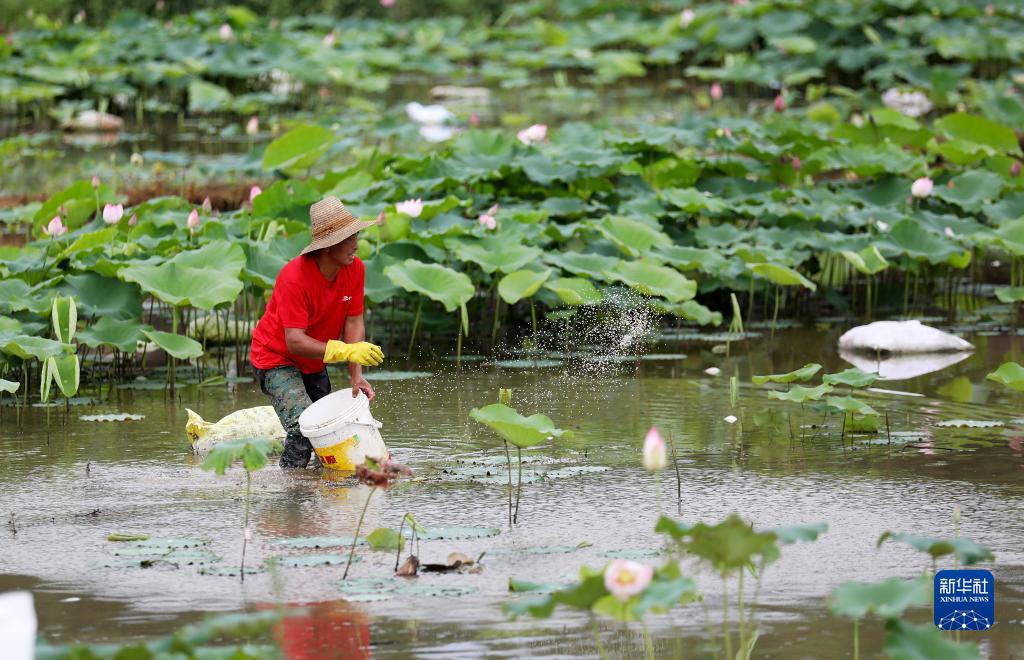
207 204
654 451
922 187
411 207
55 228
779 104
252 127
505 396
493 210
731 419
487 221
624 579
795 163
226 33
387 3
1015 168
950 184
254 192
95 182
136 159
533 134
330 39
193 220
134 220
474 119
882 226
949 232
686 17
712 371
112 213
381 218
716 92
80 16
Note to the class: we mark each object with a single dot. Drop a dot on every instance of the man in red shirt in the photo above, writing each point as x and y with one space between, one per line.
317 298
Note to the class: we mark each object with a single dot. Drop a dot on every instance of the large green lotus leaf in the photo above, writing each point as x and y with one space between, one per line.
632 237
206 97
1010 235
180 285
122 334
807 532
289 198
971 190
89 241
1009 294
14 294
973 128
867 160
540 168
910 237
223 256
654 280
803 373
78 201
40 348
575 290
177 346
298 148
448 287
1010 374
800 394
493 253
923 641
887 599
691 310
521 284
262 266
691 258
65 370
579 263
966 551
852 377
848 404
867 261
104 296
794 44
782 275
377 287
64 318
692 200
521 431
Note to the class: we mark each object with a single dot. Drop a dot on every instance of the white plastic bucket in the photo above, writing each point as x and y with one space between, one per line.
342 430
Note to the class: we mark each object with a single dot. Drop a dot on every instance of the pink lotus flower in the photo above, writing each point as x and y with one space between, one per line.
387 3
625 579
1015 168
716 92
474 119
686 17
488 221
55 228
207 204
95 182
330 39
254 192
193 221
533 134
410 207
922 187
134 220
779 104
381 218
654 451
252 127
795 163
225 32
112 213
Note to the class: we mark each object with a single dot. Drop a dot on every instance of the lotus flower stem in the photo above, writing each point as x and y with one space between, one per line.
415 326
601 651
739 601
856 640
245 526
533 316
679 479
726 632
398 555
508 459
497 316
355 537
458 346
648 641
519 486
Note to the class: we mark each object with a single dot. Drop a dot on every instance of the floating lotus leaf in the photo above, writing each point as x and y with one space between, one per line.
435 591
527 364
632 553
808 532
575 290
521 284
167 545
853 377
966 551
805 372
448 287
452 533
229 571
318 542
799 394
311 561
887 599
654 280
849 404
782 275
1010 374
521 431
298 148
969 423
122 538
112 417
395 375
574 471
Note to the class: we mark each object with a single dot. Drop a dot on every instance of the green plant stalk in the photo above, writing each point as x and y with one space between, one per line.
856 639
497 317
648 641
245 526
739 601
519 486
508 459
726 632
775 314
679 479
601 650
355 537
415 326
533 317
458 345
175 314
398 555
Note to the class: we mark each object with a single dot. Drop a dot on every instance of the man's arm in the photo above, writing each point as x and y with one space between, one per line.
302 345
355 330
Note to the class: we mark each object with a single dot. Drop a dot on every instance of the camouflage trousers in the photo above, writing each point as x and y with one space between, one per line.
291 392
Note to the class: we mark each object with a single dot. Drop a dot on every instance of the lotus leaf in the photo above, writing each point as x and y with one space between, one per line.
521 284
448 287
782 275
1010 374
64 316
805 372
385 538
493 253
8 386
910 641
317 542
311 561
523 432
969 423
799 394
180 285
450 533
527 364
966 551
848 404
632 237
298 148
25 347
868 261
435 591
728 546
888 599
103 296
1010 294
1010 235
113 417
972 128
65 371
792 533
221 256
692 200
591 265
853 377
971 190
654 280
177 346
253 452
575 290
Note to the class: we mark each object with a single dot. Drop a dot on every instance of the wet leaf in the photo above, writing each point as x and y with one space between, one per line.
452 533
728 546
887 599
521 431
426 590
908 641
969 423
111 417
311 561
574 471
966 551
652 279
524 586
782 275
849 404
385 538
121 538
318 542
521 284
252 451
805 372
638 553
852 377
1010 374
799 394
536 550
808 532
229 571
166 545
367 586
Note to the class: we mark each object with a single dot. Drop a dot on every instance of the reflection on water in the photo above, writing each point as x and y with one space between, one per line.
905 479
903 367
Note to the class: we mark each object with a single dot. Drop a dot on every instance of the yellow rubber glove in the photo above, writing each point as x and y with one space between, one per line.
363 352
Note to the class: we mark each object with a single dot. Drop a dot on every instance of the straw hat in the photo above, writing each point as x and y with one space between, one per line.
331 223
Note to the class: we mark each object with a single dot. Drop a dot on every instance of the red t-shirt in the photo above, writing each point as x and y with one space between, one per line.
304 298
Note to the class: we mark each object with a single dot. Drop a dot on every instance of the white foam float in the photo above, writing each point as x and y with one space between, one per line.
901 338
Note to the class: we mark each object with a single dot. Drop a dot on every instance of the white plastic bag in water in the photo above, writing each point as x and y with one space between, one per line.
260 422
17 625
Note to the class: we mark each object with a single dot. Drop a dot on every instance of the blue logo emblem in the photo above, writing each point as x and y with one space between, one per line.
965 600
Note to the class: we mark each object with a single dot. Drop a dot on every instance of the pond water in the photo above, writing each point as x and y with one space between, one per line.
67 484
